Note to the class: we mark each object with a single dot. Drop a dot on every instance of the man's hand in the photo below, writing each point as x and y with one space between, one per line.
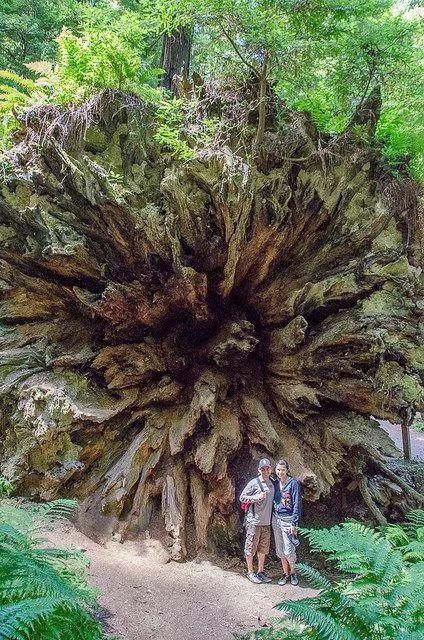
293 530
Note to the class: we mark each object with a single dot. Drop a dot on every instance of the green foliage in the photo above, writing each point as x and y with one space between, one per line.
6 487
43 592
323 57
380 592
418 423
28 29
320 57
168 133
408 537
113 50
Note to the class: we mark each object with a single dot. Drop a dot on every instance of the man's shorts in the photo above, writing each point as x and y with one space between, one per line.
258 539
283 541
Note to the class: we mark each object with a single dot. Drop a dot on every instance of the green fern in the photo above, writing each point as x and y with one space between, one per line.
34 519
314 577
416 517
323 623
15 90
25 84
6 487
43 592
379 595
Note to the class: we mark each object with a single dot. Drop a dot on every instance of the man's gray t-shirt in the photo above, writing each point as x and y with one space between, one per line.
260 512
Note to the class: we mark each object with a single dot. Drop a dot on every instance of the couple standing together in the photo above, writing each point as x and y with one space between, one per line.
275 501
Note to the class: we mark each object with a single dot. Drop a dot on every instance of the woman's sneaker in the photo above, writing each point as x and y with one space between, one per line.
263 577
254 578
284 580
294 580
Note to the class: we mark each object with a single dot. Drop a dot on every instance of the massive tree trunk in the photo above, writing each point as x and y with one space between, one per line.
175 58
164 324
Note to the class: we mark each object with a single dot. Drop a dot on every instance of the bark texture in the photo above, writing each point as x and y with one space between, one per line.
175 57
163 324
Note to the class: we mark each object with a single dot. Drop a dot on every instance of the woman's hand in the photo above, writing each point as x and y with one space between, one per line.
293 530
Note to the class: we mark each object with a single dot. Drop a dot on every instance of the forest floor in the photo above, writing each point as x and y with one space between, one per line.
146 597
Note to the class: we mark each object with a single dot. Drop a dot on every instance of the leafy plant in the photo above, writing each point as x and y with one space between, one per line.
418 423
6 487
379 596
170 128
43 592
408 537
28 29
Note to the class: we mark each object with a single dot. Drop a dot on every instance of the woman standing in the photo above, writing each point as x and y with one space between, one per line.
285 519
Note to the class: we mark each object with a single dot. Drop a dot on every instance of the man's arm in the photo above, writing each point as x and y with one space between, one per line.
251 494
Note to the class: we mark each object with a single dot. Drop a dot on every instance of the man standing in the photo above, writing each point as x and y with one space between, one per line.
259 495
287 504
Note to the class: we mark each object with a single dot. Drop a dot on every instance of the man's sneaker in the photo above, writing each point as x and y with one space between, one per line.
282 581
254 578
263 577
294 580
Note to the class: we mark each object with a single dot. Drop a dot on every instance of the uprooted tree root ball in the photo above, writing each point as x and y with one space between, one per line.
165 323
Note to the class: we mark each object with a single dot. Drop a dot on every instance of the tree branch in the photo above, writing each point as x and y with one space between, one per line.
238 52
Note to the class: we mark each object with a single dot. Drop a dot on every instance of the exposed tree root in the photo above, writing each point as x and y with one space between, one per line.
164 324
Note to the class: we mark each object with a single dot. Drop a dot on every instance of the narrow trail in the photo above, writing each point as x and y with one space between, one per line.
145 597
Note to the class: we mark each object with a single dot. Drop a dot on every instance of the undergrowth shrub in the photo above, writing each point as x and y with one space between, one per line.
43 591
378 596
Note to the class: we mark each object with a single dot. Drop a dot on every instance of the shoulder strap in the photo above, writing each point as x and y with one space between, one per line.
260 483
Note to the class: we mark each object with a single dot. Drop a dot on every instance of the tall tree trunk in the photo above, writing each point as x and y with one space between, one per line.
263 82
175 58
164 324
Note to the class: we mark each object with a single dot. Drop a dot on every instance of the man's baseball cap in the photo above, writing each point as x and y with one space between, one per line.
264 462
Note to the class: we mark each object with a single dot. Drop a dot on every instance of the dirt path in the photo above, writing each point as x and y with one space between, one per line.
147 598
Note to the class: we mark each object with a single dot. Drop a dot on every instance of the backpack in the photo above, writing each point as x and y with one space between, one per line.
246 505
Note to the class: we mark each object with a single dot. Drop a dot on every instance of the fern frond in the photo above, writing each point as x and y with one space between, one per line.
16 516
21 569
416 517
15 78
386 563
327 627
314 577
25 619
11 536
414 551
52 513
6 106
357 549
396 535
40 67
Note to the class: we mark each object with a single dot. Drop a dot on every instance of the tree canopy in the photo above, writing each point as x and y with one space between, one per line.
321 57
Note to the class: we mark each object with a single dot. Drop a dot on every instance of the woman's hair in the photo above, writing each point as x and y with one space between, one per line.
285 463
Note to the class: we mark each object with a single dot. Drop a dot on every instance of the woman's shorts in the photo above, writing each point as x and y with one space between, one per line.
283 541
258 539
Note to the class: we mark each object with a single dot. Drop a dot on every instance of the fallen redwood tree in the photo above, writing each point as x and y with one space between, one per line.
165 323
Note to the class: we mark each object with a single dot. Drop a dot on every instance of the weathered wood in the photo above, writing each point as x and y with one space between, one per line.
164 324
